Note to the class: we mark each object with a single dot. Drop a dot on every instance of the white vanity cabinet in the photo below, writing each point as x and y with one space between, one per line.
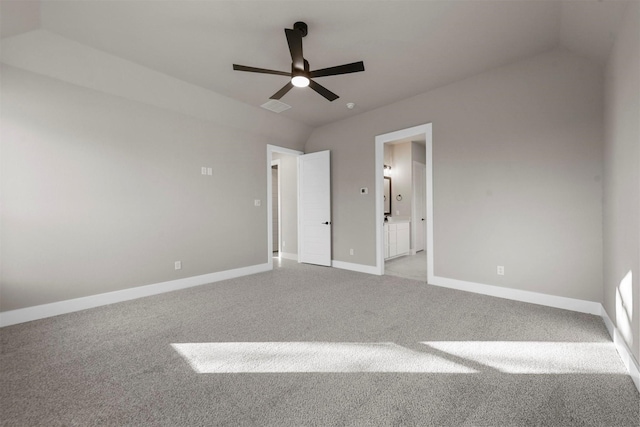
396 239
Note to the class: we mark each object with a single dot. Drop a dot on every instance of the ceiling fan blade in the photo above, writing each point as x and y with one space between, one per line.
294 38
279 94
340 69
323 91
260 70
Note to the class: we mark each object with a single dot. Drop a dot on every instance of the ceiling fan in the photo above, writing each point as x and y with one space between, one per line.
300 74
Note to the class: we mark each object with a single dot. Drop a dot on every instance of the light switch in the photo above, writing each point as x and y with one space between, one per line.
257 202
209 171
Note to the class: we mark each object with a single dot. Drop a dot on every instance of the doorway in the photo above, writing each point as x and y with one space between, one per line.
403 231
282 204
411 202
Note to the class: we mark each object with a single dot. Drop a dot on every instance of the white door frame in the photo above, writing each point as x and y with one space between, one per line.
279 210
270 150
380 140
414 208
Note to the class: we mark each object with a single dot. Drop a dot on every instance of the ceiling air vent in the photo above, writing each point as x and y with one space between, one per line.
275 106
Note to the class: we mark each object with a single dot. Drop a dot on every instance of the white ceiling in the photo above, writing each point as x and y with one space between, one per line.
407 47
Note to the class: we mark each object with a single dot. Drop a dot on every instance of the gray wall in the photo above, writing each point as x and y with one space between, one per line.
101 193
289 202
517 175
622 180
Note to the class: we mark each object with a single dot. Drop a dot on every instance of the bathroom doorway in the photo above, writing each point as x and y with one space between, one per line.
404 231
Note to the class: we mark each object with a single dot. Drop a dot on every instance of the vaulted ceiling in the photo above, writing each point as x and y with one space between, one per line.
408 47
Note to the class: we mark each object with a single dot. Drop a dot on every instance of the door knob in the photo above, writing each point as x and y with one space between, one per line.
326 223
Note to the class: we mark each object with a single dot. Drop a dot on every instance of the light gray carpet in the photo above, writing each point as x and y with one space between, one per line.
306 345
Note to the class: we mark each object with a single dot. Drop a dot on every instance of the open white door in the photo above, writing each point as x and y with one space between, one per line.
314 212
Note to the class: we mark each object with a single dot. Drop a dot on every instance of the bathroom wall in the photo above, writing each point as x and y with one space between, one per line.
401 157
401 181
418 152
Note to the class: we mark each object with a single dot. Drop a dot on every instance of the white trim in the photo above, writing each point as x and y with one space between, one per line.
282 150
270 150
429 246
361 268
623 350
565 303
379 177
286 255
299 225
28 314
277 164
380 140
414 210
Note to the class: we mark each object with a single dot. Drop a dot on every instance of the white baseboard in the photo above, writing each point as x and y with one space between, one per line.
286 255
370 269
565 303
28 314
623 350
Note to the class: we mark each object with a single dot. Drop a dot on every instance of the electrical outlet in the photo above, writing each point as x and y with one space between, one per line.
350 251
501 270
209 171
178 265
203 170
257 202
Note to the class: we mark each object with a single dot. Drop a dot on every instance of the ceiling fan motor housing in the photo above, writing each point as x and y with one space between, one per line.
302 27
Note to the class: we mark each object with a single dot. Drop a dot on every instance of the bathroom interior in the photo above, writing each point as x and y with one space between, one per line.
405 208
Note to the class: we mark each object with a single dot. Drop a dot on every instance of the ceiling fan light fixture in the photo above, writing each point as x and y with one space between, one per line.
300 81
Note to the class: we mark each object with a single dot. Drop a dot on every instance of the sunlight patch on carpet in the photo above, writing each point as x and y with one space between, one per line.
533 357
274 357
446 357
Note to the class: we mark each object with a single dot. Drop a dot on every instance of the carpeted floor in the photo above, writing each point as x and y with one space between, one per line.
314 346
